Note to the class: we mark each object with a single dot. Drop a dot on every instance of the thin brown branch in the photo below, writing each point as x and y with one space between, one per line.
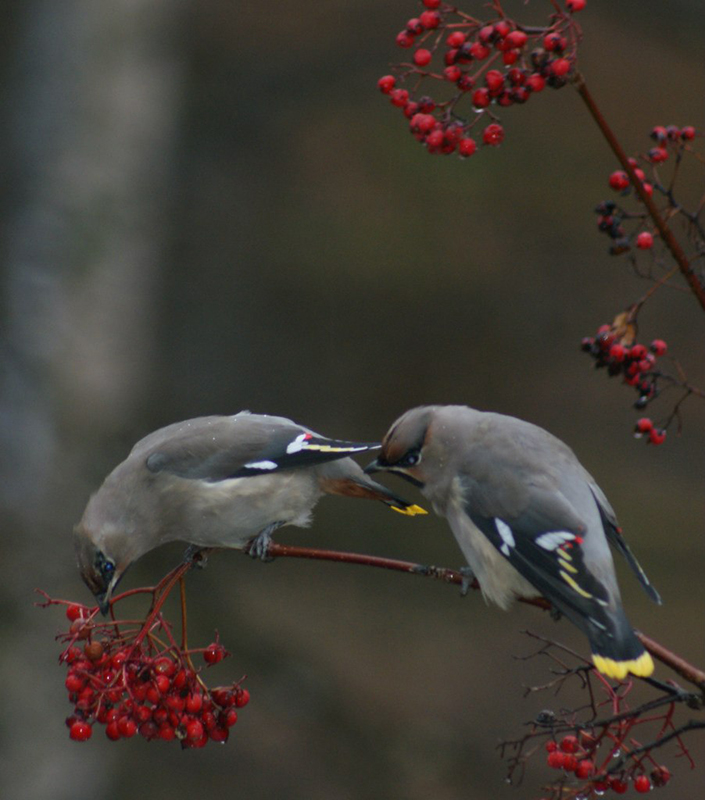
679 665
666 233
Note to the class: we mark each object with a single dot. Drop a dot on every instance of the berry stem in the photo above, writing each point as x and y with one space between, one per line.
666 233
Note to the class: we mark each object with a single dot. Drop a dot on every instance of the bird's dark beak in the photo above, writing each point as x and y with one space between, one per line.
103 601
373 466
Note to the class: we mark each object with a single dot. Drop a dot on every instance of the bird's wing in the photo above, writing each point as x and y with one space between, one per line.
543 540
615 538
220 448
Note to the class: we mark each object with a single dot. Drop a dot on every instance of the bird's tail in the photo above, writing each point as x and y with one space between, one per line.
616 650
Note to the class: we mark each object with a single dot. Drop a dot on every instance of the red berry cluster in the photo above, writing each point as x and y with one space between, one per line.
577 755
132 682
669 140
637 366
498 63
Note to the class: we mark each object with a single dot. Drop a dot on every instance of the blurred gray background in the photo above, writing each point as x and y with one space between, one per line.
208 206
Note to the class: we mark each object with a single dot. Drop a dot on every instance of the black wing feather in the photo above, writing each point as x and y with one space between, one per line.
615 538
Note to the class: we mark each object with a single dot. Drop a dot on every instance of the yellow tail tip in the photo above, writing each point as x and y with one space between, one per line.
409 511
642 667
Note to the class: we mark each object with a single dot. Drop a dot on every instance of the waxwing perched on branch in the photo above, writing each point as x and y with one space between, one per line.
527 516
220 481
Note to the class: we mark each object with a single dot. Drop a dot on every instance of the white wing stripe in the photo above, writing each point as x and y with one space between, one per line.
506 535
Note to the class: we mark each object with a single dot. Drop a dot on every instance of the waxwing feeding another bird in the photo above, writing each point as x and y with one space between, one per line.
219 481
527 516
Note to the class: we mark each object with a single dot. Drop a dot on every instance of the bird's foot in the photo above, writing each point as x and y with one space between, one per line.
259 546
196 556
468 578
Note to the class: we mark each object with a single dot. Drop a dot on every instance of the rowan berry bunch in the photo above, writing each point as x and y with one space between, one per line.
463 69
631 227
640 225
133 678
595 747
615 349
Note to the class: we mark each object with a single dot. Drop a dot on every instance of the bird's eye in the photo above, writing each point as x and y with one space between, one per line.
411 459
105 566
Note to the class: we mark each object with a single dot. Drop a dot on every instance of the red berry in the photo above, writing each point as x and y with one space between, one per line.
657 436
423 123
642 784
570 762
194 730
510 57
466 83
228 718
149 731
455 39
657 155
481 98
175 701
618 786
452 73
435 139
112 731
643 425
637 352
554 42
127 727
494 81
479 51
648 188
645 240
242 698
486 34
658 347
432 3
660 776
569 744
74 612
556 759
493 134
422 57
688 132
560 67
535 82
466 147
166 732
551 746
219 734
658 133
194 702
516 39
385 84
74 682
80 731
619 180
575 5
405 39
399 97
502 28
617 352
430 19
517 77
584 769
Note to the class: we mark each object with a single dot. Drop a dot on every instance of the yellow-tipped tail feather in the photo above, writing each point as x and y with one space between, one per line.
641 667
409 511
